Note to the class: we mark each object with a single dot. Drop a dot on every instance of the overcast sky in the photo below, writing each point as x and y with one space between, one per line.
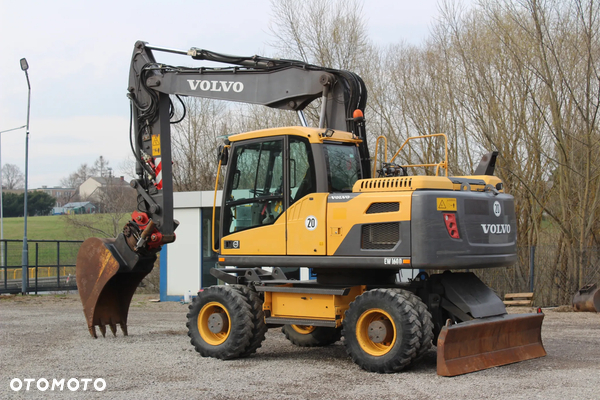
79 53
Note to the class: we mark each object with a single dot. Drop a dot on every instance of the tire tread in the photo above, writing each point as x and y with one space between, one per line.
241 323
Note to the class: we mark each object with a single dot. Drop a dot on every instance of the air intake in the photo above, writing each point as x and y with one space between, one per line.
380 236
377 208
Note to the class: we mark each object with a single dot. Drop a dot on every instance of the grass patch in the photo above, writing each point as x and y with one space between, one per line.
54 227
51 254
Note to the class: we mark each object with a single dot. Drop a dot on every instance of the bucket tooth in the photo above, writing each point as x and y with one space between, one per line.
113 329
92 330
124 328
102 330
489 342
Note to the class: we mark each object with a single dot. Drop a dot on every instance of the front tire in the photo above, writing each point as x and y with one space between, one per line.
220 323
382 332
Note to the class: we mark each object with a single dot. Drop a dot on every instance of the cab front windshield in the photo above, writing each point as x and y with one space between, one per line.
343 166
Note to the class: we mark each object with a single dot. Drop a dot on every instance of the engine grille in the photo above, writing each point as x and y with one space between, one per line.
377 208
378 184
380 236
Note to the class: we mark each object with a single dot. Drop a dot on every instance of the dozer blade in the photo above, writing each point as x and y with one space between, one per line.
108 273
489 342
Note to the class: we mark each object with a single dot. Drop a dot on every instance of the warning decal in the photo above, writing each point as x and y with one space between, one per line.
155 145
446 204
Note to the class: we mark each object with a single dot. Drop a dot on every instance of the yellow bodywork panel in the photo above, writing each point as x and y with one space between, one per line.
262 240
488 179
342 216
325 307
314 135
307 225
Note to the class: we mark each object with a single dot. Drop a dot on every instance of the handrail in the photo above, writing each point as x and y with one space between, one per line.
441 164
384 153
214 210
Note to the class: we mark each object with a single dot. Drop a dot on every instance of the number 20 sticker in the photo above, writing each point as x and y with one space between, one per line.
311 223
497 209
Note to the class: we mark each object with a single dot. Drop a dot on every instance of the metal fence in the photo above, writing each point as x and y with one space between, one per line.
540 270
545 270
51 265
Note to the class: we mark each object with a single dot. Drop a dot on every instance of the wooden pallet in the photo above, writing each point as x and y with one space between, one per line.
518 299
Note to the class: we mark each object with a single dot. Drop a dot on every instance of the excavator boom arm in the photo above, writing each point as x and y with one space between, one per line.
282 84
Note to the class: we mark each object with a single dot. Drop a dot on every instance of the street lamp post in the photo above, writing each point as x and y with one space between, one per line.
25 259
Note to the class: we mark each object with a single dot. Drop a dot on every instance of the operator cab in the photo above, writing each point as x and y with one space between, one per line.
266 165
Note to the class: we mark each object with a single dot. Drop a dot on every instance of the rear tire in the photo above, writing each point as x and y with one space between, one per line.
382 332
220 323
311 336
424 318
259 328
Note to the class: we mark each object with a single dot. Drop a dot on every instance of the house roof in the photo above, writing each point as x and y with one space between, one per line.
112 180
78 204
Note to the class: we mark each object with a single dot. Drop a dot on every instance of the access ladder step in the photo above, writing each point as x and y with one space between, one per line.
300 321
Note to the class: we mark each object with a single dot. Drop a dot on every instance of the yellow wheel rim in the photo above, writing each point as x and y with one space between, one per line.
210 337
303 329
363 329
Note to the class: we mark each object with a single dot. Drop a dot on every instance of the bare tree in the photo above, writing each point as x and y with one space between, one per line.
12 177
100 167
195 141
556 44
75 179
327 33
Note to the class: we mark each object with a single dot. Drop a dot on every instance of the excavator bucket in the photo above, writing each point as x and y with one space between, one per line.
587 299
108 273
489 342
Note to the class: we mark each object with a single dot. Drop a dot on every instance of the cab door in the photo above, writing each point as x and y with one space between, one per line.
306 222
254 199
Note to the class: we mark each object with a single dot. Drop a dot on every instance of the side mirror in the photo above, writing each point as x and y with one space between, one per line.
223 155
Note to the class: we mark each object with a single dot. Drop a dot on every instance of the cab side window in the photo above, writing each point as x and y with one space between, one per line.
302 174
343 166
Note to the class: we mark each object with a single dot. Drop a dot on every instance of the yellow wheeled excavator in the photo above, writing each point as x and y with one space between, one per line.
304 196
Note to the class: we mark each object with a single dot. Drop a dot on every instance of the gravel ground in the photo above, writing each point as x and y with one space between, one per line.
46 337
